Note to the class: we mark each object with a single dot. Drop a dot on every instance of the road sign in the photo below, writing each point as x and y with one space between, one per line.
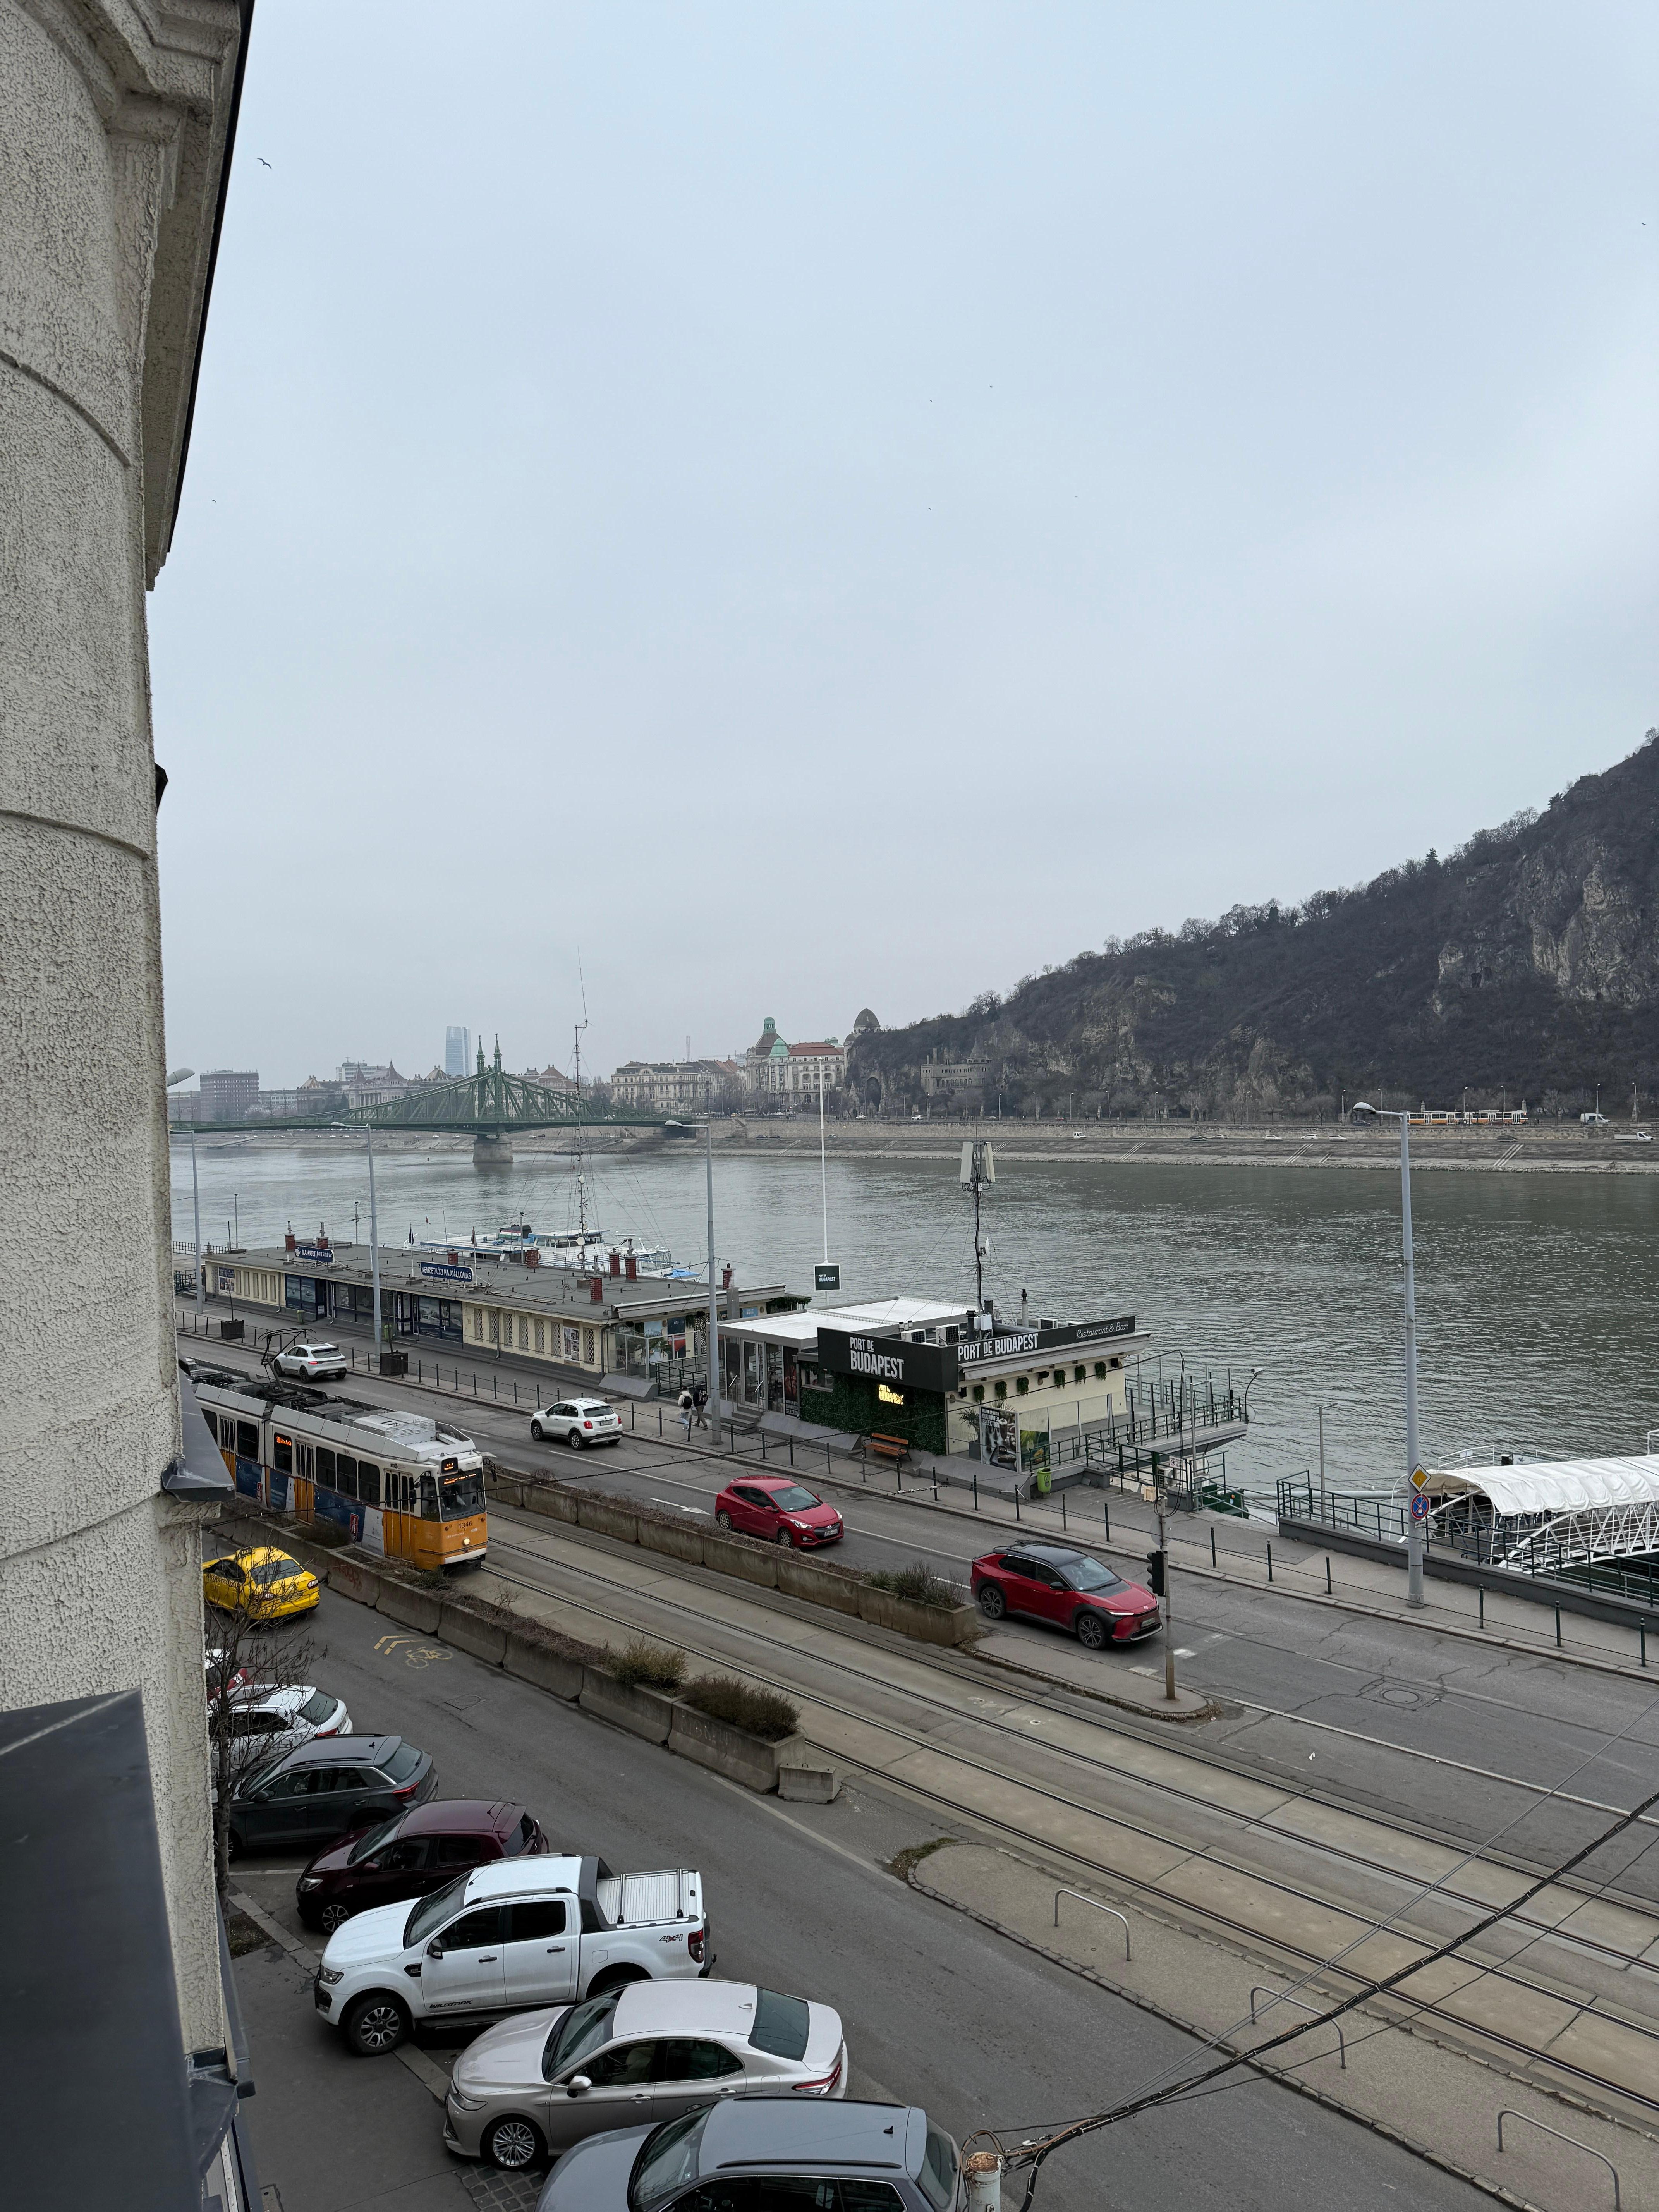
826 1277
1419 1476
1420 1507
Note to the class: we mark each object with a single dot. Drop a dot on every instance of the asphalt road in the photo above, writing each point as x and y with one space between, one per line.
1391 1699
937 2011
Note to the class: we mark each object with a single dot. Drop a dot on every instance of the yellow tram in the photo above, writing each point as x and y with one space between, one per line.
398 1482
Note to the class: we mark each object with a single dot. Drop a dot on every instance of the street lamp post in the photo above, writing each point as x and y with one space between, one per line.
374 1245
1414 1534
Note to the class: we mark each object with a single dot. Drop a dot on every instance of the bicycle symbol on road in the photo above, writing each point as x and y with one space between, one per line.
411 1650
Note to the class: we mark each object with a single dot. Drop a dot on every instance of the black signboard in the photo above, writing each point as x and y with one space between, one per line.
826 1276
890 1360
1011 1343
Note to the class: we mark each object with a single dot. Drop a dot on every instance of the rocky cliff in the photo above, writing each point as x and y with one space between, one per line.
1526 963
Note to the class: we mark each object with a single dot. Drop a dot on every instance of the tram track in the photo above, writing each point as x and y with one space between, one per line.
1181 1907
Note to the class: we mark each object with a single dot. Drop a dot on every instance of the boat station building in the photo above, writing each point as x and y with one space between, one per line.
620 1320
923 1370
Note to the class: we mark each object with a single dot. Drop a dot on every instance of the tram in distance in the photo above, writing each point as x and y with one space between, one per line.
399 1483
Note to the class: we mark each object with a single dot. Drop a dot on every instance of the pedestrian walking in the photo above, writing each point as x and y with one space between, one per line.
700 1399
688 1407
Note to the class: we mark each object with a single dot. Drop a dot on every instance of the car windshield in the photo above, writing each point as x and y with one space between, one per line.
795 1498
667 2159
583 2028
432 1911
461 1495
781 2024
373 1840
274 1571
1089 1575
938 2179
316 1709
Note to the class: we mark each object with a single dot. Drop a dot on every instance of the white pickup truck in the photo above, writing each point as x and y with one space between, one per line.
503 1937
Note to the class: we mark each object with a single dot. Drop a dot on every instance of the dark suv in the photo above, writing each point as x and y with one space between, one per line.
327 1787
410 1854
756 2152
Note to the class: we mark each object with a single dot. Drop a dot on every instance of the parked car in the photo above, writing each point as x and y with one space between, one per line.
535 2084
316 1362
1055 1582
504 1937
324 1788
577 1422
780 1509
856 2157
412 1854
268 1585
266 1722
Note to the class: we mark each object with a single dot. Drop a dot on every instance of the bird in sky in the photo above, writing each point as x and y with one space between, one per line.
263 164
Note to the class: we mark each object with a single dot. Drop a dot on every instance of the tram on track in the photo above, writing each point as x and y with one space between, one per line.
400 1483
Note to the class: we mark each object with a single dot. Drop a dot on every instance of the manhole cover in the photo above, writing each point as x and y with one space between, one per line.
1401 1697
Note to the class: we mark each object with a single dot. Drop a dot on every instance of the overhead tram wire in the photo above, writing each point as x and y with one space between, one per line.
1031 2157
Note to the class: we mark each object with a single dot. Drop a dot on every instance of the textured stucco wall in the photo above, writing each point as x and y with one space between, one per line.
109 119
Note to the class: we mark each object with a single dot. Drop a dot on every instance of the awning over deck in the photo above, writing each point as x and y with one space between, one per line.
1557 1485
1547 1515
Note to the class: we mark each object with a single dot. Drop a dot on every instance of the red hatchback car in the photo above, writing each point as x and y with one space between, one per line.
780 1509
412 1854
1052 1582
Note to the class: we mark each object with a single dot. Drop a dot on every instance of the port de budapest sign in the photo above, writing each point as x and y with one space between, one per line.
889 1359
1011 1344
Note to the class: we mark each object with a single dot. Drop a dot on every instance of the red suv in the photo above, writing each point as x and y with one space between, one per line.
780 1509
410 1854
1051 1582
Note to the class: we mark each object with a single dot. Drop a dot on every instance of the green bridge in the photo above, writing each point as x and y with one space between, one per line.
487 1106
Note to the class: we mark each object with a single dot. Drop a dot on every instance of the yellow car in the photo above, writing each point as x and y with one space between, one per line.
265 1583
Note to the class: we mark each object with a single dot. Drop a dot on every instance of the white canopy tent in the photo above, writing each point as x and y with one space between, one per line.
1547 1513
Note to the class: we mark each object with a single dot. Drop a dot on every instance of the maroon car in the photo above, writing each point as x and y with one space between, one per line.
410 1854
780 1509
1053 1582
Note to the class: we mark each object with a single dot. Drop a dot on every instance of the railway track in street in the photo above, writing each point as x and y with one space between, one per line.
1192 1838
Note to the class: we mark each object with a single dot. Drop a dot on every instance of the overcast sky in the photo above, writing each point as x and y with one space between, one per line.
819 507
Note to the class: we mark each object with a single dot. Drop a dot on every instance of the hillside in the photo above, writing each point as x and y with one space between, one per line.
1527 963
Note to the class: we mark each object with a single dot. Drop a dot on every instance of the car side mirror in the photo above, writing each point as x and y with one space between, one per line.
579 2085
434 1949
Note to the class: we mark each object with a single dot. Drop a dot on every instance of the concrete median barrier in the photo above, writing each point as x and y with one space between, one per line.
529 1661
607 1516
414 1608
927 1624
799 1577
679 1542
724 1749
643 1712
485 1639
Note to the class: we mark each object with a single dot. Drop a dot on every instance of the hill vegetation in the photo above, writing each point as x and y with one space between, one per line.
1525 965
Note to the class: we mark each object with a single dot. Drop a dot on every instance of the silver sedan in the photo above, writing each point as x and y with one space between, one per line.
530 2087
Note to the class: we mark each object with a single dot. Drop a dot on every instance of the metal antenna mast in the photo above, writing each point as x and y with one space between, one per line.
978 1168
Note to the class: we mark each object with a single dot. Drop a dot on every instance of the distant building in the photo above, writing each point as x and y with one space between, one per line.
372 1087
670 1085
967 1080
550 1078
457 1052
776 1069
227 1093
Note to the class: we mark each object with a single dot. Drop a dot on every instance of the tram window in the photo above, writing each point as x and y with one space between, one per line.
428 1498
212 1420
282 1453
368 1482
345 1474
307 1463
325 1465
463 1494
247 1440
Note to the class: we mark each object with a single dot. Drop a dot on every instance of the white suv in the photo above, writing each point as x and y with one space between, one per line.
318 1363
577 1421
505 1936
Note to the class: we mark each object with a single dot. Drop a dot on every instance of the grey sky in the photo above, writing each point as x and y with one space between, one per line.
843 504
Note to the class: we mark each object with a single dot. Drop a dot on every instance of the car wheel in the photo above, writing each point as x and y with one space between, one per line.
375 2025
513 2143
536 1430
723 1520
786 1540
1092 1633
573 1438
992 1603
332 1916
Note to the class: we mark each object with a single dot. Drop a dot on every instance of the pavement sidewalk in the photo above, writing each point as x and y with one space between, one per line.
1436 2099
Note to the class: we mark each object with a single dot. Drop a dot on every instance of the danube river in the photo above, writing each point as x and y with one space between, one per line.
1537 1294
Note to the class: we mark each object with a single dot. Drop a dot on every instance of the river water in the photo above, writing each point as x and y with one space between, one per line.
1537 1294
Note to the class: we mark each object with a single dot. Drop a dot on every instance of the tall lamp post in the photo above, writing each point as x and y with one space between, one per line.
374 1247
182 1075
1415 1544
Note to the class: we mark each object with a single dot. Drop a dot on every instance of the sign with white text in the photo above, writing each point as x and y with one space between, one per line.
444 1273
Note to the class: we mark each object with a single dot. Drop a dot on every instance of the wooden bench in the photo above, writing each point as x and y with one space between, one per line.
897 1448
